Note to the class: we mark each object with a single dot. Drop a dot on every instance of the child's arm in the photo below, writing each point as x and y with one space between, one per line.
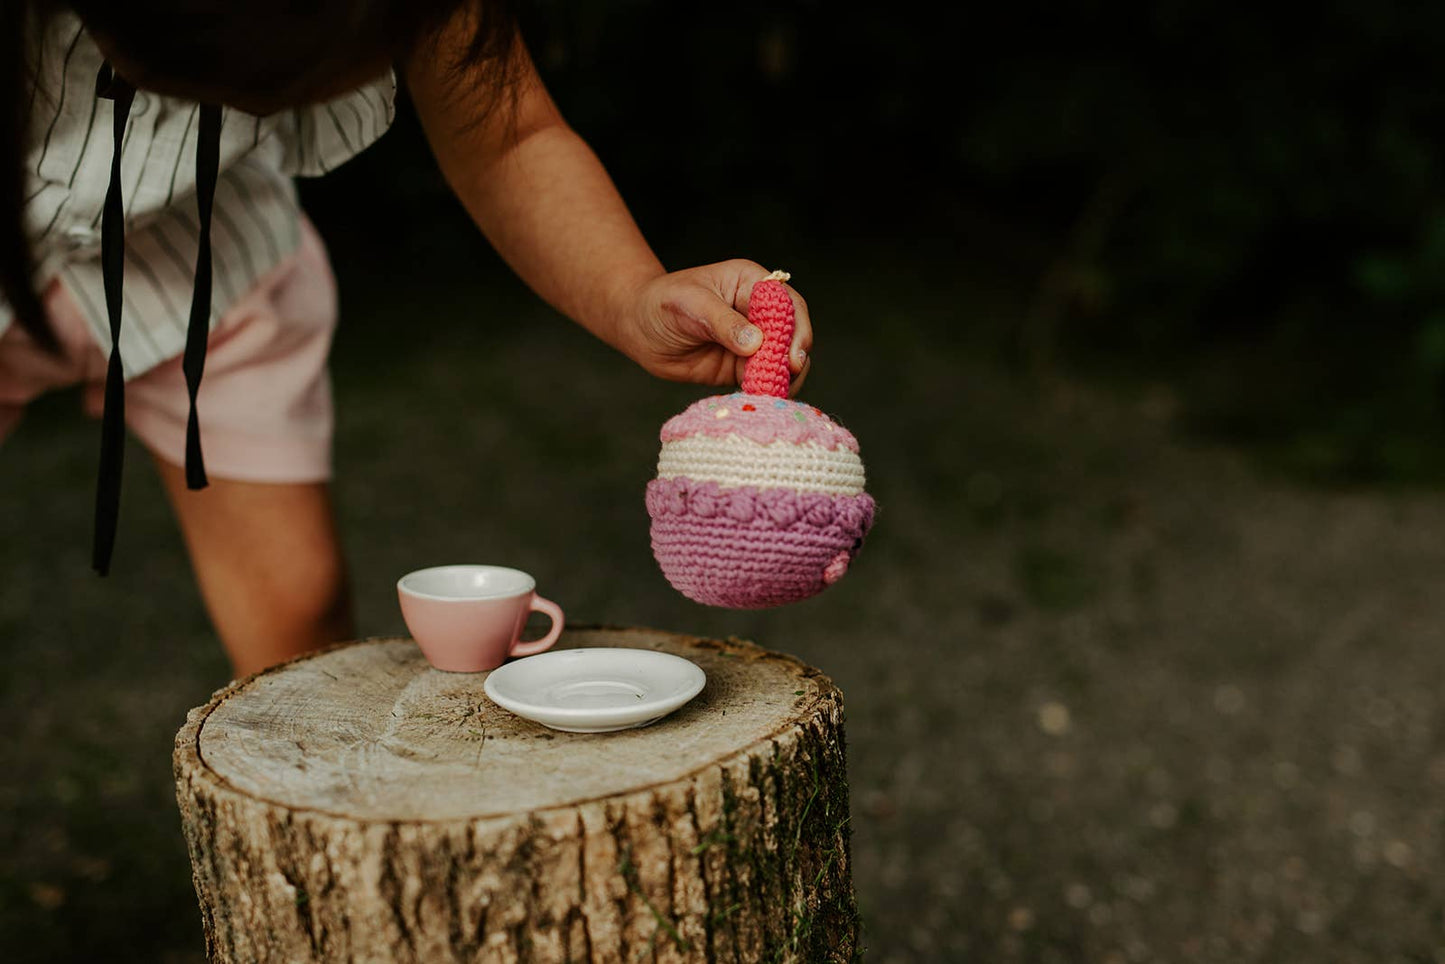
545 202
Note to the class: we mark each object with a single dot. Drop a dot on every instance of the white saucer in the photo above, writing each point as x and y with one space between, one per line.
595 690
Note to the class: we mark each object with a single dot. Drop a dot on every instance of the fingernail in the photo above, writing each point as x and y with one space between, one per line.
801 357
749 337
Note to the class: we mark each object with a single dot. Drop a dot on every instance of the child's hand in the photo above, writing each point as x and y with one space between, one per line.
692 326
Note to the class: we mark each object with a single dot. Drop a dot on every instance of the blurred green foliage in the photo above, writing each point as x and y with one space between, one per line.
1246 202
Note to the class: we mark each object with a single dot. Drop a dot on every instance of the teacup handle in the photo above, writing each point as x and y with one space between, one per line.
540 605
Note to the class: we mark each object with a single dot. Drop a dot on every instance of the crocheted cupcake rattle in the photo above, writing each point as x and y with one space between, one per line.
758 500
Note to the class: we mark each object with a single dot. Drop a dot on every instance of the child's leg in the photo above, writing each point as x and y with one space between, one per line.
261 534
268 562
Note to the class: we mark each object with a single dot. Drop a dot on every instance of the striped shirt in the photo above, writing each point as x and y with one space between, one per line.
256 218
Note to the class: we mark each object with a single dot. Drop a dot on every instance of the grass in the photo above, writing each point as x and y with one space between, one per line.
1036 541
628 870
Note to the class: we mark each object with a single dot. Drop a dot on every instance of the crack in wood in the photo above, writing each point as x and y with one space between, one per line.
582 890
738 857
392 889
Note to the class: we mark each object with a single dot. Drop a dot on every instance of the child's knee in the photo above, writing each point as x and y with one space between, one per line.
317 601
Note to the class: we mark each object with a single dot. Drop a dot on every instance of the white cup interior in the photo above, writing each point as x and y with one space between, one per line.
466 582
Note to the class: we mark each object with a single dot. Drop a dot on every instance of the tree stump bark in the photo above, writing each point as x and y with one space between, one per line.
357 805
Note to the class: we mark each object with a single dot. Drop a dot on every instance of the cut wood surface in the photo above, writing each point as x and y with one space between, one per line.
359 805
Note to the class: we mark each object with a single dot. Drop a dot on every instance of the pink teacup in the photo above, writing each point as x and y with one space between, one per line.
469 618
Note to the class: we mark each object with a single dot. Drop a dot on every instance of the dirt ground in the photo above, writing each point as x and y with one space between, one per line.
1112 697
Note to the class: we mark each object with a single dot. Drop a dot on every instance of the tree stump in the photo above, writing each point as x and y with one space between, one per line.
357 805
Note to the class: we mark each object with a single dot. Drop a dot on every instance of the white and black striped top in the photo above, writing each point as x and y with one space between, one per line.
256 216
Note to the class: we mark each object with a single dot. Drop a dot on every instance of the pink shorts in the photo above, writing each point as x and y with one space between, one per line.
265 399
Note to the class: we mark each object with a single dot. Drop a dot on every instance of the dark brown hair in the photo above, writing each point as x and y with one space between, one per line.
281 51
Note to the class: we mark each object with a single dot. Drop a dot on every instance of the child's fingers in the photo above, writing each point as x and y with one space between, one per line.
728 327
703 315
797 385
749 273
733 332
800 352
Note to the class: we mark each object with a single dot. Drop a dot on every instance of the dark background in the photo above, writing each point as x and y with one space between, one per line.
1250 203
1136 310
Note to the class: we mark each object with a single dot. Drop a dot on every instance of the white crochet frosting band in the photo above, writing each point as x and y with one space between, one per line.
733 462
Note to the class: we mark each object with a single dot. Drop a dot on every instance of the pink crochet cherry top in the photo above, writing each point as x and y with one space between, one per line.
758 500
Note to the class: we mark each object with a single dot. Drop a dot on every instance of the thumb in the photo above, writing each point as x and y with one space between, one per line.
743 338
729 328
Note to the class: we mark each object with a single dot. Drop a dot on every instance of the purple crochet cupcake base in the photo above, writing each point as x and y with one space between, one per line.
746 548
